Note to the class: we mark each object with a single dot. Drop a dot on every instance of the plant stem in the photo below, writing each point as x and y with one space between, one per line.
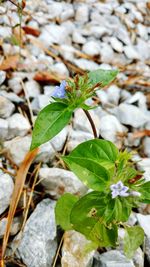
91 122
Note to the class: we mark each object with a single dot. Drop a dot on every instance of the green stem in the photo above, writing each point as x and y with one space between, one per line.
91 122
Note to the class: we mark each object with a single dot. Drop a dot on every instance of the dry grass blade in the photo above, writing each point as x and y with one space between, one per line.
19 183
142 133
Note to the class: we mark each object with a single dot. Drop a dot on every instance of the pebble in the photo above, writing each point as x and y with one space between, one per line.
146 144
131 52
78 38
60 68
112 258
82 13
144 222
91 48
2 76
6 107
73 254
38 244
113 94
86 64
144 165
6 190
130 115
77 137
15 84
116 44
3 129
59 181
111 129
15 227
18 125
32 88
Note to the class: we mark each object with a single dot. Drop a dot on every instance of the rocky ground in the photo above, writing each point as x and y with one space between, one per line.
59 39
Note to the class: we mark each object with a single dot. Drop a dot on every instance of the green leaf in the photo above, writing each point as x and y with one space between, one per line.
50 121
62 210
134 237
144 189
103 76
87 218
93 162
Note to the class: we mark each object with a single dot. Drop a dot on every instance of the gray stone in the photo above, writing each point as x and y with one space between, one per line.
116 44
73 251
131 52
146 144
77 137
3 129
91 48
81 122
46 153
78 38
53 34
32 88
15 84
15 227
18 125
130 115
58 141
113 258
86 64
2 76
144 222
82 13
6 107
38 244
110 128
6 190
58 181
17 148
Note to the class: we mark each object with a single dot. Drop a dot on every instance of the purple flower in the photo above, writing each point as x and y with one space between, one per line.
119 189
60 91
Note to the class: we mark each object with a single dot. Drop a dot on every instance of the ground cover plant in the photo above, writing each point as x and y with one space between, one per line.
115 185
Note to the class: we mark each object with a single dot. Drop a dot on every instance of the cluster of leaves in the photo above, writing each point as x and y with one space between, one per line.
100 166
54 117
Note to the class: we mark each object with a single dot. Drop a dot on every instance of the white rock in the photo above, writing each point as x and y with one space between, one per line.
81 123
15 227
2 76
144 165
73 254
122 34
130 115
32 88
18 125
78 38
58 181
146 145
46 153
106 52
67 13
140 98
38 245
53 34
18 148
77 137
130 52
3 129
12 97
143 48
91 48
110 128
113 93
144 222
103 96
82 13
58 141
42 101
6 107
116 44
60 68
6 190
54 9
142 31
113 258
86 64
5 32
15 84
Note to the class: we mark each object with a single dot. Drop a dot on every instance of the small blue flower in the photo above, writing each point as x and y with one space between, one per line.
60 91
119 189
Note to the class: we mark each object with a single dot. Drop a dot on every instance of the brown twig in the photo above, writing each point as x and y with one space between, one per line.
91 122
